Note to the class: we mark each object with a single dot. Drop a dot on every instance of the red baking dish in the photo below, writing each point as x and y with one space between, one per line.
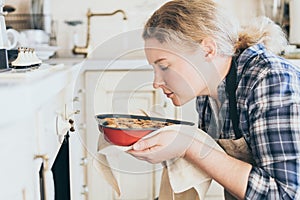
128 136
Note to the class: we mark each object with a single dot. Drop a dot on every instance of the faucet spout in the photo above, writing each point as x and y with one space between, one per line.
90 14
85 49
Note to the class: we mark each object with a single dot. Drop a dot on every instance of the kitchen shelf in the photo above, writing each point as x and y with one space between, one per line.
26 21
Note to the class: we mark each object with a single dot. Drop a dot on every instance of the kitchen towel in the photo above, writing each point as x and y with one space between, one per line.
179 176
61 171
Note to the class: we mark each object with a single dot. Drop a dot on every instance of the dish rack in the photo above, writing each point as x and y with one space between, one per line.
26 21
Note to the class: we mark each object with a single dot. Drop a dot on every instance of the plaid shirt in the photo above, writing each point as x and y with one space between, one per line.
268 106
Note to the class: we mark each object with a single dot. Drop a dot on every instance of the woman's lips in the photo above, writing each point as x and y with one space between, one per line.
169 95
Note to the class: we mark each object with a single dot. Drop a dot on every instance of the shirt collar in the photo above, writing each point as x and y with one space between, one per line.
242 60
249 53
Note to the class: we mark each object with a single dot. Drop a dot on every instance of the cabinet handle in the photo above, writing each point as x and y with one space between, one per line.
84 161
81 91
46 173
71 122
76 112
165 104
85 190
45 159
76 99
82 126
63 125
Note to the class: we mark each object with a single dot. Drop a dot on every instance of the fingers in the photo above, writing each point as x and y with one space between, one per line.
146 154
145 144
162 146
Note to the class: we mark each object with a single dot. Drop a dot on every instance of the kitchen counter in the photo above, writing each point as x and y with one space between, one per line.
104 64
21 93
115 64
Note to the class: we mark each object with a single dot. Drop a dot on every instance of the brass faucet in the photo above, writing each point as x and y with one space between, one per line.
85 49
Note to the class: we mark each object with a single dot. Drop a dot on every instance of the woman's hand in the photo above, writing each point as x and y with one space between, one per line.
165 145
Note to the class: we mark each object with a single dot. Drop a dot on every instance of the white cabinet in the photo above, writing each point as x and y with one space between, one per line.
18 177
31 130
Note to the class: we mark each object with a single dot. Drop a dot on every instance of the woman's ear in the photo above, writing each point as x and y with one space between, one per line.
209 47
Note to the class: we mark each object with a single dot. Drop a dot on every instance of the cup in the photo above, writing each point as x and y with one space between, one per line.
34 37
13 38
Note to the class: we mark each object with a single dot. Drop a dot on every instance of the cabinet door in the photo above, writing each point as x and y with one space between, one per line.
121 92
52 125
19 174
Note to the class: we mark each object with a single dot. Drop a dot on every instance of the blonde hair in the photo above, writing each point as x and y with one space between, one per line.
188 22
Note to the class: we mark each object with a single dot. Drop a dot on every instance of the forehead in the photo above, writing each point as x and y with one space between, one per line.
154 50
155 45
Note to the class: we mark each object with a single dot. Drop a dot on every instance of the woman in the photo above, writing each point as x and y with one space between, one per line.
247 97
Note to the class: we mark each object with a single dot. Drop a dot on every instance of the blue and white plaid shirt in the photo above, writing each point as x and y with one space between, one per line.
268 106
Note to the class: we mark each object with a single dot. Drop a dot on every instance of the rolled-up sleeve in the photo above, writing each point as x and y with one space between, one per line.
274 127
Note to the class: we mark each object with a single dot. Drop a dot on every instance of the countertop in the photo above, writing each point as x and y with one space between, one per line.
23 93
115 64
104 64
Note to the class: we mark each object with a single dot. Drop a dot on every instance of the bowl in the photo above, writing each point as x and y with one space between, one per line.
44 52
124 135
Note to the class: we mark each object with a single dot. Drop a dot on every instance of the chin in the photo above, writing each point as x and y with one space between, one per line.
176 102
179 102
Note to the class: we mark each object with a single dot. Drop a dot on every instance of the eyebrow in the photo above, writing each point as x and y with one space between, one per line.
158 60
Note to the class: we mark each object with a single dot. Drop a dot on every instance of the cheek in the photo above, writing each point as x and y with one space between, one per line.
197 81
183 84
193 81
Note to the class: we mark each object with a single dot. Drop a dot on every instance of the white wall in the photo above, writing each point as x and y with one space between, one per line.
106 28
102 28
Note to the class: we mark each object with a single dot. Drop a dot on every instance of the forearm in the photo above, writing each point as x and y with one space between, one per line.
231 173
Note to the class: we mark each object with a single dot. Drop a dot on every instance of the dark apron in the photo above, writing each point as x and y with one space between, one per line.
237 148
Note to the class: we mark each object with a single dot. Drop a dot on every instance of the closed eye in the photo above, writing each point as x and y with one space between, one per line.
163 67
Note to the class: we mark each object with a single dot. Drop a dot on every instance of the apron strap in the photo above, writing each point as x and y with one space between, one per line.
203 114
231 86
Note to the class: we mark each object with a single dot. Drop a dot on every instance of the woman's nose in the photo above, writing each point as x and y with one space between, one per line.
158 82
155 85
